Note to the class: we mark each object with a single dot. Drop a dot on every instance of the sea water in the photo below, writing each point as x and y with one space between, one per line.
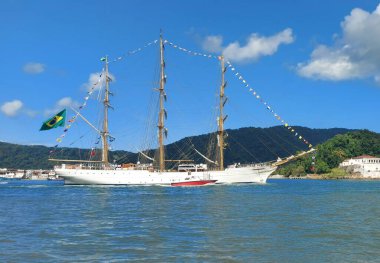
282 221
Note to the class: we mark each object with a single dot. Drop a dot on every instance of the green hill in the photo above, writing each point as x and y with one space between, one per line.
245 145
14 156
332 152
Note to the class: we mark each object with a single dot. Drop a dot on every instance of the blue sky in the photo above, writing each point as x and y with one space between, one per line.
316 63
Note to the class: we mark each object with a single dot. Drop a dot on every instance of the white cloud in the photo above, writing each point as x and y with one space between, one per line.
65 102
95 78
31 113
355 54
329 64
12 108
33 68
256 46
213 43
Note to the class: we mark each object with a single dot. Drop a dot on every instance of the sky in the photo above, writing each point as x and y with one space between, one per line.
316 63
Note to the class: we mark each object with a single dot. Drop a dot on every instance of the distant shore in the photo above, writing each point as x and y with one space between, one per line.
325 177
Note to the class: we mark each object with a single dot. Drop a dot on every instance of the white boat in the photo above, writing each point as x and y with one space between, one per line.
16 174
82 175
9 175
103 173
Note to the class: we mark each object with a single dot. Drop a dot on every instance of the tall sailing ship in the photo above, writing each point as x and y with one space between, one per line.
105 173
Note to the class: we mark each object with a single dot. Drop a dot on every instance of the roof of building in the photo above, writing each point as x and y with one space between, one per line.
364 157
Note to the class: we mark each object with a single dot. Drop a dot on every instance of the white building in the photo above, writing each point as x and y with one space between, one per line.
368 166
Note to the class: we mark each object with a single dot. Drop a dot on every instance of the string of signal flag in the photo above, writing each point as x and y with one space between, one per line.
71 121
94 86
245 83
230 66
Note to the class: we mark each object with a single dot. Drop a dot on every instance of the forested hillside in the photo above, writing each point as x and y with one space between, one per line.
244 145
332 152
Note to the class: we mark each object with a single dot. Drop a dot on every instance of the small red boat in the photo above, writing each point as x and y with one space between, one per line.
194 183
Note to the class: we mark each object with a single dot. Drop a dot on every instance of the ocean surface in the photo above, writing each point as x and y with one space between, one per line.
282 221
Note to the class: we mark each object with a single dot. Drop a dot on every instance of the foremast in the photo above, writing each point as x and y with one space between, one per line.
105 133
221 118
162 113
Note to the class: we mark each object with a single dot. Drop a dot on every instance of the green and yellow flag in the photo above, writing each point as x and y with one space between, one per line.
54 122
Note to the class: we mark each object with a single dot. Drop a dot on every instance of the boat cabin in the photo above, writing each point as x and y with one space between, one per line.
190 167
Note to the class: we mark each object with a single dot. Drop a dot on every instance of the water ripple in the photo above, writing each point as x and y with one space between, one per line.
283 221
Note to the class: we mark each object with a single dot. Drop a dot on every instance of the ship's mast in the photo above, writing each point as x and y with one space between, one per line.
105 133
221 118
162 113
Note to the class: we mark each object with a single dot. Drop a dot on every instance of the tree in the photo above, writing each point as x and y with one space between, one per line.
332 152
321 167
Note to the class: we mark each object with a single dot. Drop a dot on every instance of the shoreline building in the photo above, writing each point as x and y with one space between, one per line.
366 165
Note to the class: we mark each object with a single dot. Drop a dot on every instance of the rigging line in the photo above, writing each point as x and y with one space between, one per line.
149 124
175 46
258 137
182 154
150 121
286 141
240 77
134 51
213 56
189 52
268 107
124 156
89 123
268 135
185 151
146 156
276 142
245 149
212 136
178 110
181 151
73 118
194 148
212 142
148 137
191 142
189 152
212 139
63 149
211 161
100 92
80 137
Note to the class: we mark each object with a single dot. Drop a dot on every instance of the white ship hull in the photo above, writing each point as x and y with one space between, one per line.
237 175
12 175
145 177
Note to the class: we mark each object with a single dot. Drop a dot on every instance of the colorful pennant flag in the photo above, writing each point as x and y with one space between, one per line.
54 122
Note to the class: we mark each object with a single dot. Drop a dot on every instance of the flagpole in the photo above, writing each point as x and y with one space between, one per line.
161 122
105 133
222 118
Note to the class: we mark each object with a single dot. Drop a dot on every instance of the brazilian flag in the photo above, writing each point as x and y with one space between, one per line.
54 122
